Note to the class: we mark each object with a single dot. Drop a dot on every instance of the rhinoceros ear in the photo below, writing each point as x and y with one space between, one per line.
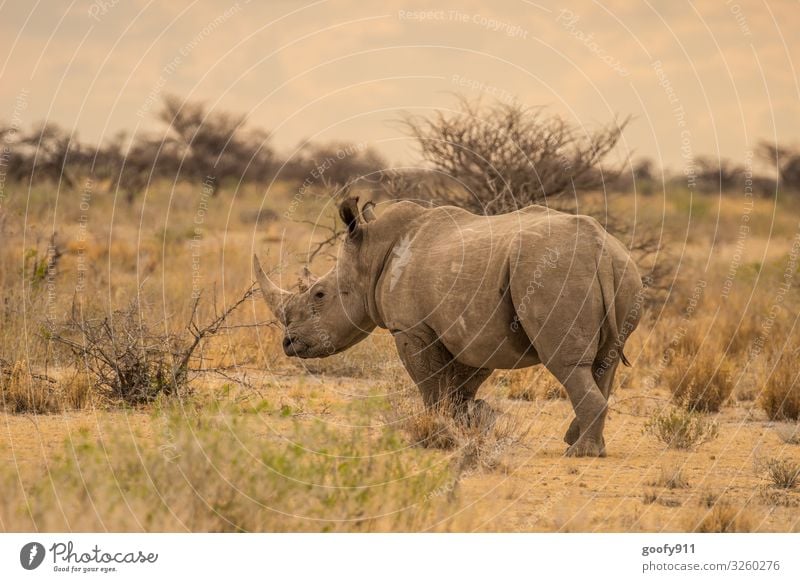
348 211
368 212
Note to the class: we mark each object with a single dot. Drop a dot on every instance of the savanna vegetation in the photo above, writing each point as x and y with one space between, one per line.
143 386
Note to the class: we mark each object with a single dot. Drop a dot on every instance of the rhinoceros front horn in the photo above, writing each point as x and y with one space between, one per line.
273 294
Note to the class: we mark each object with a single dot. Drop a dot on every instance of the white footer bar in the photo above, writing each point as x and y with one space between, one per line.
401 557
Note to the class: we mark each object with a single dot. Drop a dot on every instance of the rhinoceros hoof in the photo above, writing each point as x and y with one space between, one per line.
479 415
573 432
586 448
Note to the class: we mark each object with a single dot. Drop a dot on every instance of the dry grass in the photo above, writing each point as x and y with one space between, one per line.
530 384
681 429
375 357
77 392
710 498
480 437
23 391
522 391
780 392
779 498
203 470
783 473
431 430
555 392
738 327
671 478
723 518
649 497
789 433
702 381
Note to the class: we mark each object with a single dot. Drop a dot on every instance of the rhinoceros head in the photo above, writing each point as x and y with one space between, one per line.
331 314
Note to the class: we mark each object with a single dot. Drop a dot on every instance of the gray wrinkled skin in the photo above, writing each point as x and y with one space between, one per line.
464 295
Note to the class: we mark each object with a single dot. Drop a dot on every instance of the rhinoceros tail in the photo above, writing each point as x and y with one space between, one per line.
605 276
614 288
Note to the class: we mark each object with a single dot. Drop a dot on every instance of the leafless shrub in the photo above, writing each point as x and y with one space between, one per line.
332 235
129 360
407 184
681 429
507 156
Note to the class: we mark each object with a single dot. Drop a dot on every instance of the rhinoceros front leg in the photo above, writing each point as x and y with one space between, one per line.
441 379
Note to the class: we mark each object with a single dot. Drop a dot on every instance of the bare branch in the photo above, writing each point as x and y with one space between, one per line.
130 362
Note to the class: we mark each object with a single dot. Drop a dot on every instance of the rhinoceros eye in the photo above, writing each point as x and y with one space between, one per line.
319 295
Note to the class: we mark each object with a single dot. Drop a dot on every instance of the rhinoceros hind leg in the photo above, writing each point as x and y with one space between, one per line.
604 378
590 409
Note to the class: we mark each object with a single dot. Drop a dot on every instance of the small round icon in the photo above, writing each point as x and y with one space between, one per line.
31 555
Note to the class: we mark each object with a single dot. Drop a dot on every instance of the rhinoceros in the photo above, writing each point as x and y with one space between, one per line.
464 295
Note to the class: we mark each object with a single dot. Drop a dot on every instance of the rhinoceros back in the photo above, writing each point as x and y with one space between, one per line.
494 287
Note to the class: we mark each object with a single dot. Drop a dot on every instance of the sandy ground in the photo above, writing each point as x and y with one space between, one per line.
33 441
544 491
533 487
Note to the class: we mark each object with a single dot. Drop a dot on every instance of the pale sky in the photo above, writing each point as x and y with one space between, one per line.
343 69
